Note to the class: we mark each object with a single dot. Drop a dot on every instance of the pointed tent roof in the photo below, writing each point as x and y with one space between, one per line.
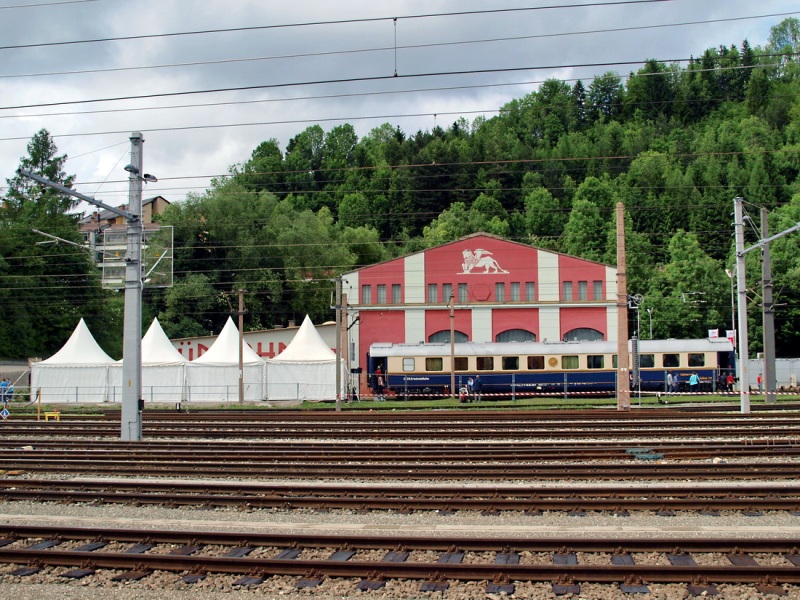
81 349
307 346
225 349
157 349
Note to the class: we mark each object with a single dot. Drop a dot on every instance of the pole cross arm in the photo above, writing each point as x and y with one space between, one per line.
70 192
766 241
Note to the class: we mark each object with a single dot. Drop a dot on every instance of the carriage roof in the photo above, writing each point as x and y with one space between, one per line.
548 348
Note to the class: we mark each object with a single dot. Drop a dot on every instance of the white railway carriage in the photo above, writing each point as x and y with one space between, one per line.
530 368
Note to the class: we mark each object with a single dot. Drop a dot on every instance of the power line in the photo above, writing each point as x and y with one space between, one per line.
331 22
368 79
40 4
395 48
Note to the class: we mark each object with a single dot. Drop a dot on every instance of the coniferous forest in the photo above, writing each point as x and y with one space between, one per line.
675 143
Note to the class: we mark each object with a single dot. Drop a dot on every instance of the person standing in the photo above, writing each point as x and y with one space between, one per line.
731 381
477 386
379 385
675 383
760 382
670 382
722 382
3 390
694 382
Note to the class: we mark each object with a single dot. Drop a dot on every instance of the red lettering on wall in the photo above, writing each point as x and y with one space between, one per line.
271 352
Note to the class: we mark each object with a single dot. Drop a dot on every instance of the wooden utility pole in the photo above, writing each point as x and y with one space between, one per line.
623 371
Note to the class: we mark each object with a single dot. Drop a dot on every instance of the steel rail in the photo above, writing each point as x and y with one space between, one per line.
400 454
617 500
752 573
439 431
407 470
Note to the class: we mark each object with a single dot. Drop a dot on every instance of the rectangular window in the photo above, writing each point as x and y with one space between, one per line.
484 363
510 363
535 363
530 291
408 364
433 363
366 294
396 296
583 290
382 293
647 361
461 363
433 293
515 291
697 360
672 361
614 361
500 292
570 362
447 291
598 290
595 361
567 290
462 293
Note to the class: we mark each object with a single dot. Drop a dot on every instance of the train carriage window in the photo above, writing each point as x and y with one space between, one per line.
408 364
484 363
697 360
595 361
510 363
613 361
570 362
461 363
671 361
647 361
535 363
434 363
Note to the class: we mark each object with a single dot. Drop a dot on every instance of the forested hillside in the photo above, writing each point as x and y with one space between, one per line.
675 143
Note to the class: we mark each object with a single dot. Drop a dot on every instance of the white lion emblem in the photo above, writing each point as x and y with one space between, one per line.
480 259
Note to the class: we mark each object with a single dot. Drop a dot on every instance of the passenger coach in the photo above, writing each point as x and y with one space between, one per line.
531 368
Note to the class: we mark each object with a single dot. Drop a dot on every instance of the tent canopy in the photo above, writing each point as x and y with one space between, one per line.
80 349
307 346
157 349
225 349
78 372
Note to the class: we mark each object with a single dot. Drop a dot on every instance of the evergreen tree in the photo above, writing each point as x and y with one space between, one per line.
46 289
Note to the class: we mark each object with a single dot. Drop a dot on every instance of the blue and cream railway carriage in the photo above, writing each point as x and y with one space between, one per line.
531 368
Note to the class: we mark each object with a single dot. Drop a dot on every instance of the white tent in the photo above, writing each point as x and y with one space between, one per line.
163 369
79 372
215 375
305 370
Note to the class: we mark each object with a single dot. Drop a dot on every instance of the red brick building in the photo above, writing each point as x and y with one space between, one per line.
501 291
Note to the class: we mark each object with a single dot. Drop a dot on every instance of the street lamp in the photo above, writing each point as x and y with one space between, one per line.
650 313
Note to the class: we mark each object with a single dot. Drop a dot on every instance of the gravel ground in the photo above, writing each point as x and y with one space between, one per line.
47 584
557 524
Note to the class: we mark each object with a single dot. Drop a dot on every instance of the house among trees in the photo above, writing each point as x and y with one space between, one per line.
106 236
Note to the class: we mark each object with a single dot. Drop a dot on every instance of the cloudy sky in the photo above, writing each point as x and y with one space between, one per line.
206 82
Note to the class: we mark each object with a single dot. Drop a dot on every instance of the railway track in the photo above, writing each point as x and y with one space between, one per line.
500 563
512 425
751 500
423 451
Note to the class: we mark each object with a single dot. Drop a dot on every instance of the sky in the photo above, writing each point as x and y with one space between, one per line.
204 99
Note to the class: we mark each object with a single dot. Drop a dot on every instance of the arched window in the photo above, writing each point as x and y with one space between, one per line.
441 337
515 335
583 334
